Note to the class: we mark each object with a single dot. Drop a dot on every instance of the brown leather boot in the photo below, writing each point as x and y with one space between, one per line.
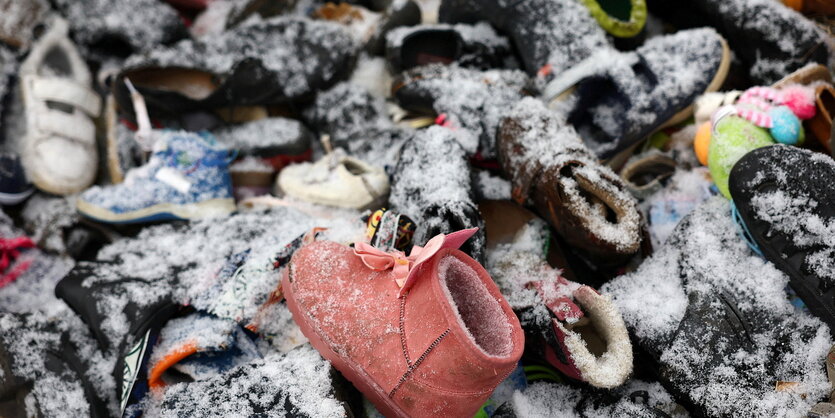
551 168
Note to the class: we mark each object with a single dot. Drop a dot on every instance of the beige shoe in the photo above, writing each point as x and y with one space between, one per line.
335 180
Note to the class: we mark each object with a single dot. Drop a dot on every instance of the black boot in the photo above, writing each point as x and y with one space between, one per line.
431 185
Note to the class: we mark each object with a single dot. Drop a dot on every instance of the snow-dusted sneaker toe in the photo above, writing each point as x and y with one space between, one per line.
420 336
187 177
336 180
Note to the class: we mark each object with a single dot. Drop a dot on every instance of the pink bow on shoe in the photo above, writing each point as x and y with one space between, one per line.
9 250
404 268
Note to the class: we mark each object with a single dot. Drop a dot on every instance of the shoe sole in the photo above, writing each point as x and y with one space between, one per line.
351 370
160 212
9 199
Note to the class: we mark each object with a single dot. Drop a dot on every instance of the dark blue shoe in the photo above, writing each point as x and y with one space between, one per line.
14 187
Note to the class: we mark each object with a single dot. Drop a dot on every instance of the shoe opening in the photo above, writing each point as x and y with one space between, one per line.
600 345
652 170
479 313
594 202
619 9
354 168
427 47
56 63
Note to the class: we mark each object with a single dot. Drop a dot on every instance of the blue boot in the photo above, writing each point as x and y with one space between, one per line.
187 177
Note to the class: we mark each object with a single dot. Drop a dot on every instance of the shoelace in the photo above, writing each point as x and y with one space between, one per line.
9 251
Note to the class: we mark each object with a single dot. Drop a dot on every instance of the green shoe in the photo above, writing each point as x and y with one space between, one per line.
621 18
732 137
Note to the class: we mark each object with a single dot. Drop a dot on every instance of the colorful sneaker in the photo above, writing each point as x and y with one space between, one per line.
427 334
336 180
785 198
187 177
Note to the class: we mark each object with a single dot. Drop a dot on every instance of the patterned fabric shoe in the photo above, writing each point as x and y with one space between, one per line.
187 177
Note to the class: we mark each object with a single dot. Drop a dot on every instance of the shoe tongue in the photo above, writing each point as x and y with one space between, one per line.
557 296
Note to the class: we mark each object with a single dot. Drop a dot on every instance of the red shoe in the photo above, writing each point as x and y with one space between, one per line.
424 335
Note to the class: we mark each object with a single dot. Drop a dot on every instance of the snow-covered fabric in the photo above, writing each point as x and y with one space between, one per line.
432 186
120 27
558 34
301 55
705 256
200 174
622 97
299 383
473 101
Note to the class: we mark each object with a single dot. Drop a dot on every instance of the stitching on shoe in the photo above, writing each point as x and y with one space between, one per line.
456 392
417 363
403 331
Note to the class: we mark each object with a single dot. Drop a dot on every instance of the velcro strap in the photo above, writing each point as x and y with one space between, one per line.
73 126
66 91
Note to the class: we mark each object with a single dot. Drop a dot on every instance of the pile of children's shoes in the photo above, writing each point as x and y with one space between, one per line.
417 208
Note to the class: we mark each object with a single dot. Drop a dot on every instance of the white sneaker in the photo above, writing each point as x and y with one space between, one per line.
59 148
336 180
